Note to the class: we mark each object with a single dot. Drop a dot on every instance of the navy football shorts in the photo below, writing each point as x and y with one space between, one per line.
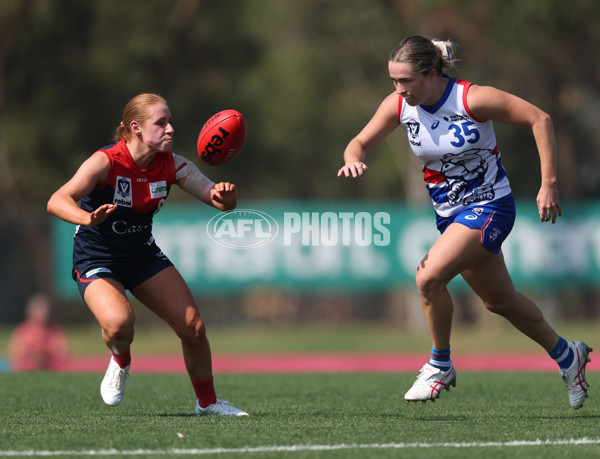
495 220
130 272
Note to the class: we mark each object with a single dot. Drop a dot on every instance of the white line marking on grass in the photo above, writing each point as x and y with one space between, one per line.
295 448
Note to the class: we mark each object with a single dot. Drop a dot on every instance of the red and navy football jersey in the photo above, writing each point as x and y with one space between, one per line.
138 193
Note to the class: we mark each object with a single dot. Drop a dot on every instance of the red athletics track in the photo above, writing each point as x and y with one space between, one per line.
326 362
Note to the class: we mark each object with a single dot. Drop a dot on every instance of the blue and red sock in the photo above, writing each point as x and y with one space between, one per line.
440 358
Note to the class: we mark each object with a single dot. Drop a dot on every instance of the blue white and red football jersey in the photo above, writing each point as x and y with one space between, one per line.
461 161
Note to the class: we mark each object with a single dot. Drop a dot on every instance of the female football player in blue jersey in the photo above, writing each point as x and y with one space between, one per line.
121 187
449 127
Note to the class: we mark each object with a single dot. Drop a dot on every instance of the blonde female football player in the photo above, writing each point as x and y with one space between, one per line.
449 126
121 187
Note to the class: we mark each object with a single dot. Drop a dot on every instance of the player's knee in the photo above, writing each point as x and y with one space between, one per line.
198 330
194 331
497 306
119 328
428 283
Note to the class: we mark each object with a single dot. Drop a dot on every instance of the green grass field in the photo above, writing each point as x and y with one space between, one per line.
296 416
491 415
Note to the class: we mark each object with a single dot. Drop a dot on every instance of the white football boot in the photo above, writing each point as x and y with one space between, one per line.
112 388
221 408
430 383
574 376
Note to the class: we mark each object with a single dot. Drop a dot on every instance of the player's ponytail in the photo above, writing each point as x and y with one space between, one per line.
425 54
447 51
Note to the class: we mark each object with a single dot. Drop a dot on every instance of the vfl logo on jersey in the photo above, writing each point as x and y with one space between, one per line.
158 189
123 196
413 128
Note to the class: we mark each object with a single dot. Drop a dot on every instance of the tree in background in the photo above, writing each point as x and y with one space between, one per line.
305 74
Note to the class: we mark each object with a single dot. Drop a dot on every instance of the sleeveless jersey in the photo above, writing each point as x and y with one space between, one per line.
461 161
138 193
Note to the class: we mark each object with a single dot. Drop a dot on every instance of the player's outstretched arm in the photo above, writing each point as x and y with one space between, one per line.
383 123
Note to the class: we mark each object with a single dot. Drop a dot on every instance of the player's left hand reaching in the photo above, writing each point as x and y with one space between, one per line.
223 195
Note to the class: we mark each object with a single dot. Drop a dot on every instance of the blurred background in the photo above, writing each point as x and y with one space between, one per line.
307 75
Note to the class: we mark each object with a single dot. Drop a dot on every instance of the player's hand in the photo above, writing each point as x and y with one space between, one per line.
101 214
355 169
224 195
548 205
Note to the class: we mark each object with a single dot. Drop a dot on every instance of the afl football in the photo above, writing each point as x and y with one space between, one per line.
221 137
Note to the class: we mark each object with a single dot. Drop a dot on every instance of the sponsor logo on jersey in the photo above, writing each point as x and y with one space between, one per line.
123 192
122 227
158 189
91 272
